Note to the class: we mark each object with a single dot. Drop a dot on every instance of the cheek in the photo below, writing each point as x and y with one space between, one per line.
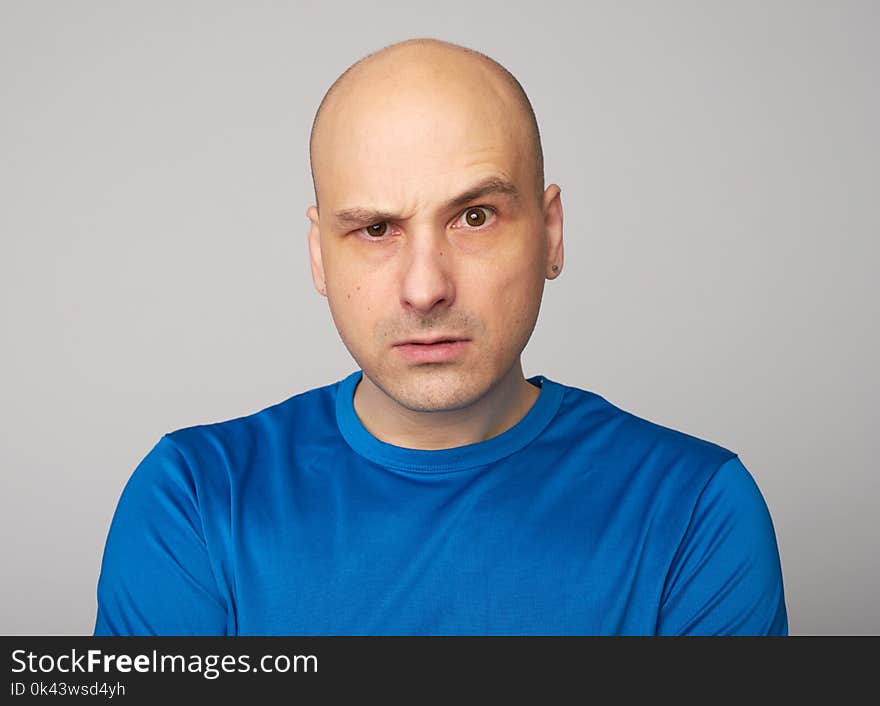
518 308
514 290
353 306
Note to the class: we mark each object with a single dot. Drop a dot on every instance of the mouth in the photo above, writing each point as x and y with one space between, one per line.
434 350
430 342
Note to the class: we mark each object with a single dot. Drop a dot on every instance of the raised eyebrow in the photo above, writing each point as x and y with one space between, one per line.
358 215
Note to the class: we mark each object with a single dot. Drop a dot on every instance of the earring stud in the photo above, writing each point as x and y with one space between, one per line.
555 268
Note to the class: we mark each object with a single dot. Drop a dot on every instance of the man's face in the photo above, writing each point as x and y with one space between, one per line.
429 268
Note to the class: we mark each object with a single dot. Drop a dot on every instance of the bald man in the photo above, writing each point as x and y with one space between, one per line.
436 490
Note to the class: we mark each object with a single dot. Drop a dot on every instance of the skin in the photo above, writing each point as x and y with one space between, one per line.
410 128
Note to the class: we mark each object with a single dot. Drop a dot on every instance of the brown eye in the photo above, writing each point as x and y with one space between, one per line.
475 216
377 230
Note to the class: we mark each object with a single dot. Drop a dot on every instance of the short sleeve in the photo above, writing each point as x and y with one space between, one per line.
156 576
726 577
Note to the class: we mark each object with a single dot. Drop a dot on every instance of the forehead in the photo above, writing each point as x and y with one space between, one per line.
398 148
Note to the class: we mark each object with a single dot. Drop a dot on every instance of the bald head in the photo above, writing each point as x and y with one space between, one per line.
421 70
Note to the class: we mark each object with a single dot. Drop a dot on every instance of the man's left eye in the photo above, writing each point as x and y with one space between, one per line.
475 215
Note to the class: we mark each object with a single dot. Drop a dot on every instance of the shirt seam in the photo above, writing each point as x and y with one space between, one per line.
189 467
684 534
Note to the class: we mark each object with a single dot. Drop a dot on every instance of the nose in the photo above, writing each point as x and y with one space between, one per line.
427 277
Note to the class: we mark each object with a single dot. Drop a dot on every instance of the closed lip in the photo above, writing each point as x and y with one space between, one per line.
433 339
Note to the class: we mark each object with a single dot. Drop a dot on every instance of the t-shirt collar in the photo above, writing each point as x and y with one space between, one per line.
445 460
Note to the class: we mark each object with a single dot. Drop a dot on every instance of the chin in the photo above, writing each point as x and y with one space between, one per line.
433 388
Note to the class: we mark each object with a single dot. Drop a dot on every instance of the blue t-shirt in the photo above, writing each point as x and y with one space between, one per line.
580 519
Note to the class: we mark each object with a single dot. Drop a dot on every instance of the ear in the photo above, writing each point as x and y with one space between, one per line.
315 251
553 230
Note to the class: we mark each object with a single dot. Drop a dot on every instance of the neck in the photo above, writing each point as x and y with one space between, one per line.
505 404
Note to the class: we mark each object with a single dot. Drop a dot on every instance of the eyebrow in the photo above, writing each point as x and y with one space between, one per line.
358 215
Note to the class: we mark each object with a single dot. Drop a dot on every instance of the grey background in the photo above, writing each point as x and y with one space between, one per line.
719 170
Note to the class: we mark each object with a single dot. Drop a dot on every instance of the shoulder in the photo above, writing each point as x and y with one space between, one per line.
715 540
637 449
731 506
204 462
242 439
